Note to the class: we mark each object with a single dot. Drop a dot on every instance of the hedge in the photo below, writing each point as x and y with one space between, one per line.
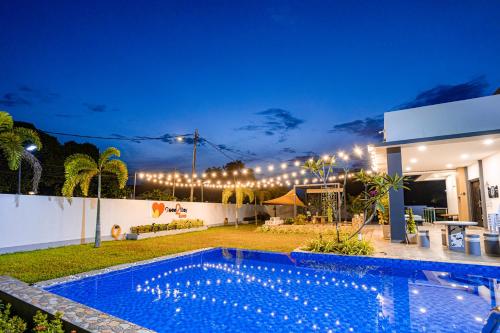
175 224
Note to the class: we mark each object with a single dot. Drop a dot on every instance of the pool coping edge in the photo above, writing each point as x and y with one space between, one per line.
79 276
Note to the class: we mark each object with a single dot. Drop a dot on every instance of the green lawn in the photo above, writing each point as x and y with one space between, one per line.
48 264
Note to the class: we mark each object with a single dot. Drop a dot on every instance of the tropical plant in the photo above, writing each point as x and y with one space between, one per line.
300 219
13 140
355 204
240 194
157 194
80 169
9 323
383 210
377 186
43 325
411 226
345 246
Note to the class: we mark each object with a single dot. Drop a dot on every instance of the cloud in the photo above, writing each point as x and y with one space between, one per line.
25 95
40 95
276 122
288 150
368 127
305 155
448 93
13 99
240 154
99 108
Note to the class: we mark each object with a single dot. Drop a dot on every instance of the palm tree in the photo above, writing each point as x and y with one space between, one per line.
81 168
240 194
12 143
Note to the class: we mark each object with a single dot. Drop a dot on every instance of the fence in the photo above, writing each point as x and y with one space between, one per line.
33 222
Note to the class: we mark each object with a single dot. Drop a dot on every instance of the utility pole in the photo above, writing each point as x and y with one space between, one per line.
193 169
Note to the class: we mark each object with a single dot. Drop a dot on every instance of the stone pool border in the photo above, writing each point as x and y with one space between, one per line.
27 299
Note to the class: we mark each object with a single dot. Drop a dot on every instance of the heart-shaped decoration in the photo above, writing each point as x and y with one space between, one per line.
158 209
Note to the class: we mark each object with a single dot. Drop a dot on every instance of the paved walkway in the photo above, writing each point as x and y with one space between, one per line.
437 252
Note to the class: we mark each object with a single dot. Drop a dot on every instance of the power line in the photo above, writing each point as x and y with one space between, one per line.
120 138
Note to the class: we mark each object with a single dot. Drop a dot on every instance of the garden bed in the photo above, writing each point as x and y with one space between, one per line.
134 236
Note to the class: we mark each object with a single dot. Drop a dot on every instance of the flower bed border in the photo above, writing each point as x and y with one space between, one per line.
134 236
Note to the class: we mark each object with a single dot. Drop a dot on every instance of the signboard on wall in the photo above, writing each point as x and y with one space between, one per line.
159 208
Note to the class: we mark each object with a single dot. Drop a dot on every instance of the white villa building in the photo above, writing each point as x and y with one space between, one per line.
458 142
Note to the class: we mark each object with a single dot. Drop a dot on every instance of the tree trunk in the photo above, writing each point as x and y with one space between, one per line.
366 221
255 209
236 223
97 242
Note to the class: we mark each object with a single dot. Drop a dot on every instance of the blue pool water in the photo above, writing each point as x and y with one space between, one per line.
225 290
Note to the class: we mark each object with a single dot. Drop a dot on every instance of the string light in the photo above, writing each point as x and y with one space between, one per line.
278 180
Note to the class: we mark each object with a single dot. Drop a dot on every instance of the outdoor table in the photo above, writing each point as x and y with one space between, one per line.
453 217
455 231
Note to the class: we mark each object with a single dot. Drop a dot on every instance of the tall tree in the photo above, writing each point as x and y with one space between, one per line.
80 169
13 141
240 194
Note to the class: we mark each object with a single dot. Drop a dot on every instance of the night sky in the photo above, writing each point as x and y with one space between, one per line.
263 80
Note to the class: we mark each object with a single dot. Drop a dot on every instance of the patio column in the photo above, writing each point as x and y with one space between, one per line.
483 195
396 198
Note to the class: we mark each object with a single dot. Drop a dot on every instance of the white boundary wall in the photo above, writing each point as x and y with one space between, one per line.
33 222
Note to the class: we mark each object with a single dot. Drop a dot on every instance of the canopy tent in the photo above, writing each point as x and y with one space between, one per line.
289 199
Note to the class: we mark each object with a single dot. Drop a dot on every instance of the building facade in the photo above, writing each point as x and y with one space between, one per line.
458 142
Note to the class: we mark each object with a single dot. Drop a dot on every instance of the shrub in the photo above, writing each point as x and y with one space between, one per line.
43 325
410 224
289 220
352 246
14 324
300 219
175 224
313 229
8 323
185 224
383 210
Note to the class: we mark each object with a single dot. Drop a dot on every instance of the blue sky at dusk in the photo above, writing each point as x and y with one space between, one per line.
265 80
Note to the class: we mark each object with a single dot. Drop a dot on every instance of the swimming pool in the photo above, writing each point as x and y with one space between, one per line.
227 290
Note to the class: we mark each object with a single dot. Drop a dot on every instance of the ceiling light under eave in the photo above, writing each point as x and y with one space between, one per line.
413 160
422 148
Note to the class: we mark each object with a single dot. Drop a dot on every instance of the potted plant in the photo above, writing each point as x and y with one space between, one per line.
411 227
383 216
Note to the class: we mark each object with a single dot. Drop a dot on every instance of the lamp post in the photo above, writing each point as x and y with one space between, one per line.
29 148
